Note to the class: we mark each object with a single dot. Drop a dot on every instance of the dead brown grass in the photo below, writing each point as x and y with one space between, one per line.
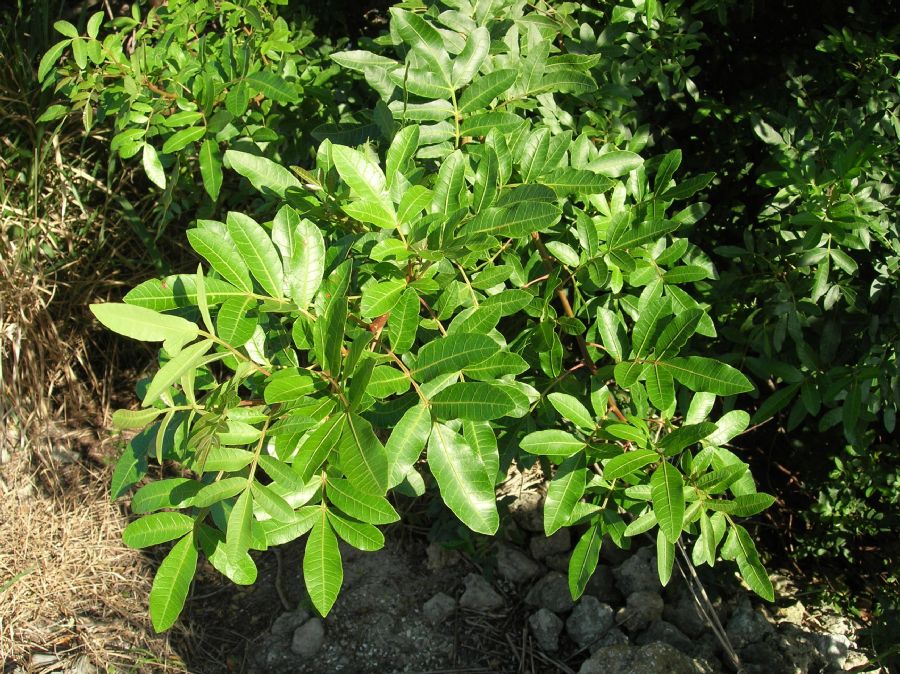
68 586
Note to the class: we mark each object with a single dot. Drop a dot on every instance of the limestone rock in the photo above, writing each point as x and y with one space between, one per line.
516 566
551 592
640 611
543 546
546 627
589 621
439 608
479 595
308 638
638 573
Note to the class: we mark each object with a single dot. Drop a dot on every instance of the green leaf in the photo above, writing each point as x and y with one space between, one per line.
609 325
572 410
380 298
264 174
583 561
728 427
467 64
172 583
666 170
464 484
146 325
660 387
360 535
49 59
404 321
705 374
273 504
210 168
130 467
175 492
564 491
627 373
475 401
687 188
279 533
363 457
449 184
273 86
233 324
365 179
632 237
318 445
665 557
322 569
479 125
676 333
370 508
257 251
406 443
125 419
170 373
452 353
156 528
153 166
666 489
240 522
65 28
424 38
629 462
222 255
558 445
565 181
485 89
401 151
302 250
642 524
642 337
183 138
519 219
289 384
219 491
616 163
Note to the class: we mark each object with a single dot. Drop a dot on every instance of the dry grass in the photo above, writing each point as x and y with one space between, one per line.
68 586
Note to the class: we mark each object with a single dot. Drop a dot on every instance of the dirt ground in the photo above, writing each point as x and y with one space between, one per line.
73 598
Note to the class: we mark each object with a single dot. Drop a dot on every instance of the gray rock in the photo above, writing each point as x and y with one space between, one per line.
516 566
686 615
603 585
528 511
287 622
638 573
543 546
640 611
834 648
438 608
546 627
551 592
440 557
613 637
797 646
479 595
666 633
793 613
589 621
747 625
656 658
558 562
308 638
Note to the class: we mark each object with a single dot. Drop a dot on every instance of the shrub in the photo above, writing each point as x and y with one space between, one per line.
481 282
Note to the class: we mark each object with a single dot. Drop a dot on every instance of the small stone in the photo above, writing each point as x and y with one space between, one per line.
308 638
589 621
551 592
440 557
287 622
747 625
515 566
543 546
603 585
613 637
638 573
686 615
666 633
656 658
612 554
558 562
479 595
546 628
439 608
793 613
615 659
641 610
834 648
43 659
798 647
528 511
